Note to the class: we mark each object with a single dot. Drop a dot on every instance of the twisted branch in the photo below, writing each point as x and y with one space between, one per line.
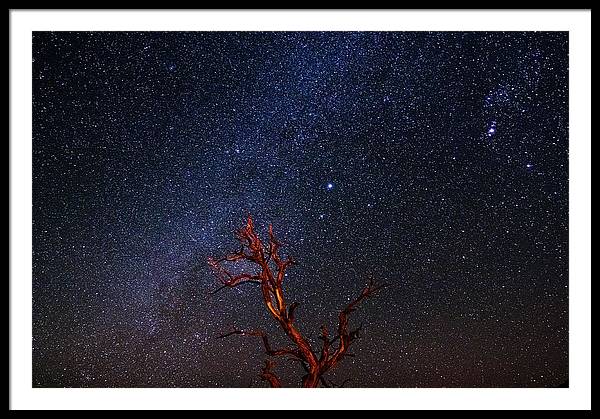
271 272
268 375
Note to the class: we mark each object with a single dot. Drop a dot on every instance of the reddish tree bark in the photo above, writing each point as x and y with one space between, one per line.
270 273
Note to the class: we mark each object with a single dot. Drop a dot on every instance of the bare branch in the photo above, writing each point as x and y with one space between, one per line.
265 339
270 271
344 336
268 375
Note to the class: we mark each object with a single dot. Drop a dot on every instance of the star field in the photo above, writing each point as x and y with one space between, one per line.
435 162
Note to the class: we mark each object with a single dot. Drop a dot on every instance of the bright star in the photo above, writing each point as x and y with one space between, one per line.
330 186
492 129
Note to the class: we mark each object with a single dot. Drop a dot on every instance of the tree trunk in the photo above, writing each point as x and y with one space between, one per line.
311 380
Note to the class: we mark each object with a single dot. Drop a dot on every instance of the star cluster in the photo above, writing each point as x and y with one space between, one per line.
435 162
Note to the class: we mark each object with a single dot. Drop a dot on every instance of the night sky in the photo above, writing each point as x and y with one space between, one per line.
434 162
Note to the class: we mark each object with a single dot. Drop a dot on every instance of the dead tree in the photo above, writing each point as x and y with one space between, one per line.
269 275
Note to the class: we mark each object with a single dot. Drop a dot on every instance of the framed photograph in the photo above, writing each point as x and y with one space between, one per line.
389 206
